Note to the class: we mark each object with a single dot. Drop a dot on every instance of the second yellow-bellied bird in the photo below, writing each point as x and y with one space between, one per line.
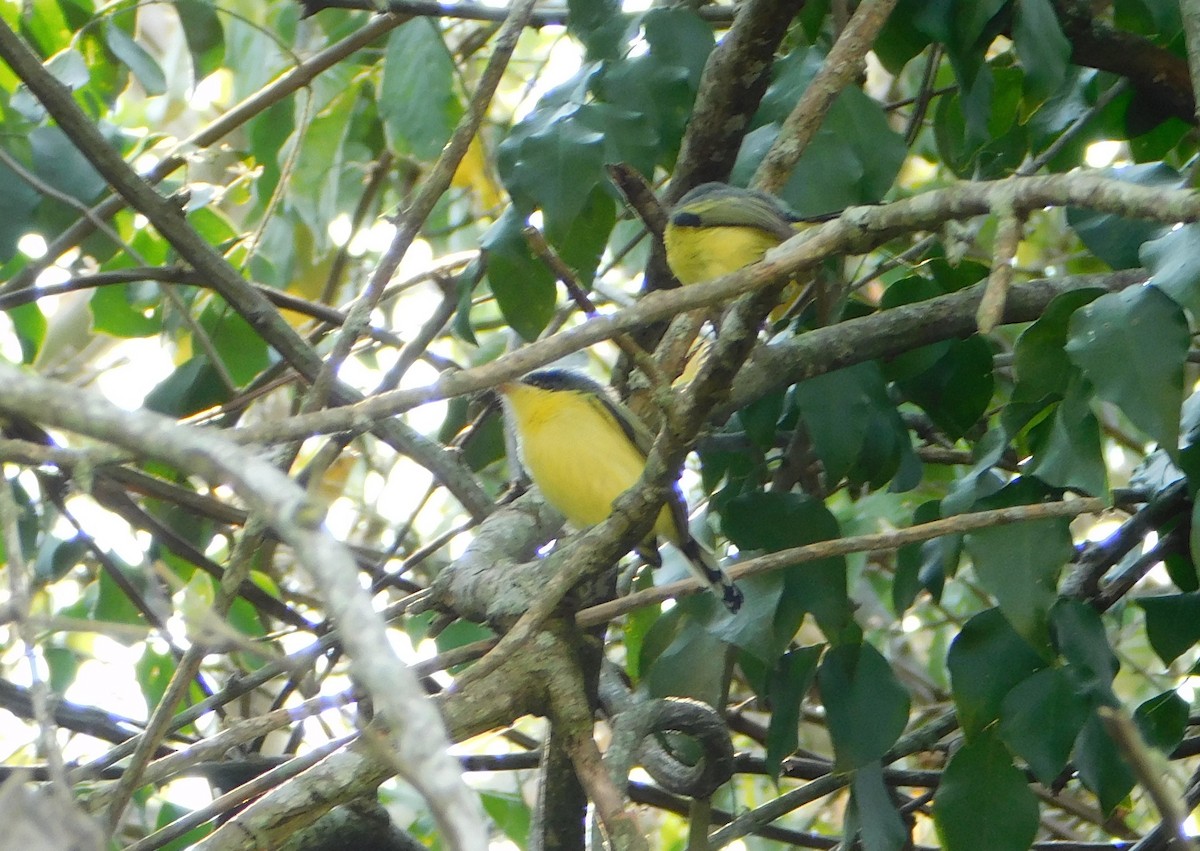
716 229
583 449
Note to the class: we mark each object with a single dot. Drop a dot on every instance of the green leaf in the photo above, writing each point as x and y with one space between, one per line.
786 685
510 813
57 556
866 707
1040 362
29 323
193 387
1116 240
154 671
957 389
127 310
141 63
1040 719
204 34
1163 720
1101 766
63 664
60 164
17 204
1174 258
239 346
113 606
1080 637
873 812
987 659
1132 346
840 409
555 170
680 658
1019 565
1172 623
983 802
416 96
523 286
777 521
1067 449
1044 51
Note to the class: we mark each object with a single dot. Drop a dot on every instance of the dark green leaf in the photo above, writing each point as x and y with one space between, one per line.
417 96
17 203
986 660
1174 258
1101 766
1172 623
850 419
57 556
873 812
123 311
1044 51
866 708
983 802
957 389
1132 346
59 163
1040 362
1019 566
1114 239
1067 450
193 387
761 417
1163 720
1080 637
1040 719
524 288
204 34
776 521
680 658
787 684
141 63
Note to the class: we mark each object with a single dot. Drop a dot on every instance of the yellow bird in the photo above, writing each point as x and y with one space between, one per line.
716 229
583 449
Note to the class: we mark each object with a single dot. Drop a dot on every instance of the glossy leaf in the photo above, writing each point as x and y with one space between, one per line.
1116 240
1163 720
1132 345
1174 258
1172 623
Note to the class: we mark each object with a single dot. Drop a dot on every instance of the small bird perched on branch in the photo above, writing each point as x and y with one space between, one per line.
583 449
716 229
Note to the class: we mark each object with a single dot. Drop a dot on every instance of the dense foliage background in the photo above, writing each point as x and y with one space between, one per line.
257 261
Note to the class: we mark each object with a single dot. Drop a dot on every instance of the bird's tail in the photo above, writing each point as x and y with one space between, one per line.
704 565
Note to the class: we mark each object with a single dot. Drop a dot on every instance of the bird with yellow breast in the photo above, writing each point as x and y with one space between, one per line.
583 449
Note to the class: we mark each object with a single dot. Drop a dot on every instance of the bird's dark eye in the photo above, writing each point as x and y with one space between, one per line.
685 219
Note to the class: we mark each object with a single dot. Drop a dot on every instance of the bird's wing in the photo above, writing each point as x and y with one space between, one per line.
753 210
